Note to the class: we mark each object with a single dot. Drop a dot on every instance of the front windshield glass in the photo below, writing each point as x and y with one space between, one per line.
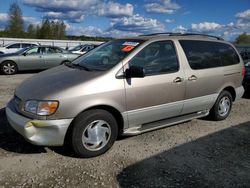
22 50
108 55
77 48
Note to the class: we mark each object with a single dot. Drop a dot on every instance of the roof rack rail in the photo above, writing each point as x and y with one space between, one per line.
184 34
200 34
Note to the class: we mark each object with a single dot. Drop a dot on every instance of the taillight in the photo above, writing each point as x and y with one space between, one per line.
243 71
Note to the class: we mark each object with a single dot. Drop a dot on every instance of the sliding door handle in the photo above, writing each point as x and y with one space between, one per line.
178 80
192 78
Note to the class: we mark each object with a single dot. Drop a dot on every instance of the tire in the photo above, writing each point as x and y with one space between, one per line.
95 122
222 106
9 68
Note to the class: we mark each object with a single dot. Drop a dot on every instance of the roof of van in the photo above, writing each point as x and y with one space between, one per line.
177 36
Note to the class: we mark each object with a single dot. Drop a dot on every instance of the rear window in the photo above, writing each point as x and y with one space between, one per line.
205 54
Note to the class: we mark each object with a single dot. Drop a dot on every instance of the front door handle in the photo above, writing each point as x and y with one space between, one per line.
192 78
178 80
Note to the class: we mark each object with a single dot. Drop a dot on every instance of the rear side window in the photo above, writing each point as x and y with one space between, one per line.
25 45
205 54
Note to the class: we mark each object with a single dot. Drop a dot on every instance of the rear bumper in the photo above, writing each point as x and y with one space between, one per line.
38 132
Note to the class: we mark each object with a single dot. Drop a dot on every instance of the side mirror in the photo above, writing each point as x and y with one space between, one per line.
134 72
24 54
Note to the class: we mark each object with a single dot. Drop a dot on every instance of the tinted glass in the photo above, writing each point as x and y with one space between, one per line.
33 51
108 55
157 58
52 50
205 54
26 45
17 45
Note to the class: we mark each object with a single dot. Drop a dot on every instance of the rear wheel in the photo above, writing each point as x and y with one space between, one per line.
9 68
222 106
93 133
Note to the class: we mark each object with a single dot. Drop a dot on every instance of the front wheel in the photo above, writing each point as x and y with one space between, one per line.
8 67
93 133
222 106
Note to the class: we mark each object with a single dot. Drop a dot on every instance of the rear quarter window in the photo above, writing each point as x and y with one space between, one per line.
206 54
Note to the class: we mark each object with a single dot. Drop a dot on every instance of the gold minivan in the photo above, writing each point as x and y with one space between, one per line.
127 87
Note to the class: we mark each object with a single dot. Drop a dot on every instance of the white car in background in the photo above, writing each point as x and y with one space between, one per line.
14 47
83 48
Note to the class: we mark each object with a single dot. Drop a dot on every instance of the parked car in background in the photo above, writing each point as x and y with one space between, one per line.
34 58
83 48
147 82
14 47
246 81
244 51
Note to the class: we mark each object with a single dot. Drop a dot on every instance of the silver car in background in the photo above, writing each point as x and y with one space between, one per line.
14 47
34 58
145 83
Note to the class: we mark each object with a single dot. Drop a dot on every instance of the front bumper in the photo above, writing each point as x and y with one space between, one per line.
38 132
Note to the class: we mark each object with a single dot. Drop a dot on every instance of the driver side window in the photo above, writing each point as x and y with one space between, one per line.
157 58
33 51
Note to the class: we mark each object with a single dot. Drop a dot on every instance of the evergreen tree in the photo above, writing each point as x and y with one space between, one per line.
16 23
31 31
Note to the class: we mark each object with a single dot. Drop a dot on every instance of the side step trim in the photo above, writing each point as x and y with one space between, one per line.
163 123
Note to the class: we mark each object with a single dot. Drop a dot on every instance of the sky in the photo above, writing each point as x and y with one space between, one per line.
117 18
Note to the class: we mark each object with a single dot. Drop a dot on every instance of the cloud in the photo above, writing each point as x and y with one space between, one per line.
61 5
95 31
162 6
206 27
71 16
76 10
169 20
243 21
244 15
137 24
180 29
112 9
121 27
3 17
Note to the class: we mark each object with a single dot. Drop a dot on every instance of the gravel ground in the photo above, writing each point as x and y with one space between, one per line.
199 153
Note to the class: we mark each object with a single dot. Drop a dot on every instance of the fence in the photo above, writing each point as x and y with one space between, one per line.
61 43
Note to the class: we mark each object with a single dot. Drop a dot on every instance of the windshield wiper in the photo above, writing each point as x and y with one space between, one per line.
71 65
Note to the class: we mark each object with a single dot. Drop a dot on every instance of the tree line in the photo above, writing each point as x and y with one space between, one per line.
16 27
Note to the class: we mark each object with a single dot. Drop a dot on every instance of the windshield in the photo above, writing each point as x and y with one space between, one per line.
108 55
22 50
79 47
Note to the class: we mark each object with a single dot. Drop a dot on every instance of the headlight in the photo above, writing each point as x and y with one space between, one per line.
42 108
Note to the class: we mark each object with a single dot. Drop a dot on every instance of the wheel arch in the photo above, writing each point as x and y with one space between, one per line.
231 90
64 61
12 61
116 113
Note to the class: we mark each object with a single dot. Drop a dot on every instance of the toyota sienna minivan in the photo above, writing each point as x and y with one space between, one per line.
127 87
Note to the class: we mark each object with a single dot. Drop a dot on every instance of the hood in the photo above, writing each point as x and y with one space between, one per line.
48 84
